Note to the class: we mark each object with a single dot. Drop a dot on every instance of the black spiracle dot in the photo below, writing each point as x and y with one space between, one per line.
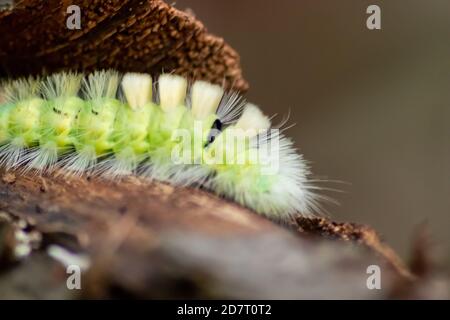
215 129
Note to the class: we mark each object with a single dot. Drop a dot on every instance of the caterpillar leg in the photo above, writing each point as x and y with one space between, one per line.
79 162
12 153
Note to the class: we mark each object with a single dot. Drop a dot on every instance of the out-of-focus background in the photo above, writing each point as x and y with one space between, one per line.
372 107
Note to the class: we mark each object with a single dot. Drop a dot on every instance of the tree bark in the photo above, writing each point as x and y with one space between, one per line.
154 240
127 35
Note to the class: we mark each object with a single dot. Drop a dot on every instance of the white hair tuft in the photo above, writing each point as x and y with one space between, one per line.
137 88
253 119
205 99
172 91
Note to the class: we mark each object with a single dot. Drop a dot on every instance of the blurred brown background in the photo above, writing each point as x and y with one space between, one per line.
372 107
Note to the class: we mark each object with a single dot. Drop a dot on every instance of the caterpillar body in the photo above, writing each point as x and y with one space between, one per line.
195 134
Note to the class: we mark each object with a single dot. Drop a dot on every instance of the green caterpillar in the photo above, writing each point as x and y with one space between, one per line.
111 125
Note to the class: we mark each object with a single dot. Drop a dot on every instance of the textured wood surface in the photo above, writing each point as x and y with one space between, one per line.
154 240
128 35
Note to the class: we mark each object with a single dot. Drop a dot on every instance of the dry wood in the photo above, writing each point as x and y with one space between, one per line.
128 35
155 240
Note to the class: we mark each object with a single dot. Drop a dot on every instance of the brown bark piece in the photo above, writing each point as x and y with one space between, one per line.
154 240
348 231
127 35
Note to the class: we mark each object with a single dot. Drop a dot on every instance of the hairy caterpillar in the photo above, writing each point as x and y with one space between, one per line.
197 135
